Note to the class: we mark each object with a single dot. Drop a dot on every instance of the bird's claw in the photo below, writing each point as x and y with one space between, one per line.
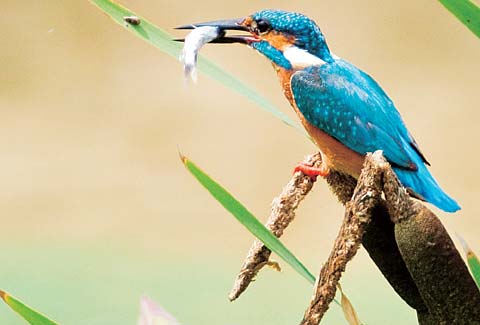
311 171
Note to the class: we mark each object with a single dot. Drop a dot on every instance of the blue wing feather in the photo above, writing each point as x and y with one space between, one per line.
349 105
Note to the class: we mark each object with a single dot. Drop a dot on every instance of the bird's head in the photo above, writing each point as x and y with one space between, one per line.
290 40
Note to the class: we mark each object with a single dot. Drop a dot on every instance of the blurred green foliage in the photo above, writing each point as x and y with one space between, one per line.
466 11
247 219
32 316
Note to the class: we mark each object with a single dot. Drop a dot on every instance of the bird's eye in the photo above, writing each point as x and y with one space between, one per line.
263 27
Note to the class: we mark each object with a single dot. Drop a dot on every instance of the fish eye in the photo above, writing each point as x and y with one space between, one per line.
263 27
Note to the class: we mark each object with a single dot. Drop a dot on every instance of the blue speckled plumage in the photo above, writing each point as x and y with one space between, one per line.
347 104
307 34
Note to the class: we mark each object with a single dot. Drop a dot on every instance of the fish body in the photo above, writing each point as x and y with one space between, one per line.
192 44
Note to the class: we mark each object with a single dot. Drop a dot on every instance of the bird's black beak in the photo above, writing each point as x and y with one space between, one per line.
224 26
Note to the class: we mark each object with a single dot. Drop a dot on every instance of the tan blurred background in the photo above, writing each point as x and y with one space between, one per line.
96 208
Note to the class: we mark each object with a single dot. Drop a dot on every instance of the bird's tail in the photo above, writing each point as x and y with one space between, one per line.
423 184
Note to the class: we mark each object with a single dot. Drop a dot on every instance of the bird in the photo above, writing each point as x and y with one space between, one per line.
343 109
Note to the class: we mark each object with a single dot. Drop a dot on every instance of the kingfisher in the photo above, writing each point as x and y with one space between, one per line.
343 109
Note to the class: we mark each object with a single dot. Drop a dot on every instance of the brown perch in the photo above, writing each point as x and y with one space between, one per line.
405 240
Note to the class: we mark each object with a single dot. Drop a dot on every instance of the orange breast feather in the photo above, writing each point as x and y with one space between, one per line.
335 155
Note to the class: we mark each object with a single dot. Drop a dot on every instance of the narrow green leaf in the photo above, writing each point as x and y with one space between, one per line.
30 315
472 260
247 219
474 265
163 41
466 11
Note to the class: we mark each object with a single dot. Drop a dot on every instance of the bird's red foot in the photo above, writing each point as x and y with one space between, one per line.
311 171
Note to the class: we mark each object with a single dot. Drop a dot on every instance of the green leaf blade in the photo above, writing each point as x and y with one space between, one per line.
32 316
466 11
164 42
472 260
247 219
231 82
474 265
145 30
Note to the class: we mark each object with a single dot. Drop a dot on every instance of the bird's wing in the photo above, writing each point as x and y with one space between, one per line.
350 106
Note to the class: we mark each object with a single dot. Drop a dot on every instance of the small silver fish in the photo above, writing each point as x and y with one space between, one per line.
192 44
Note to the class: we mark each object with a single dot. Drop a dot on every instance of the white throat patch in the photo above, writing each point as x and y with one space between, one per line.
300 59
